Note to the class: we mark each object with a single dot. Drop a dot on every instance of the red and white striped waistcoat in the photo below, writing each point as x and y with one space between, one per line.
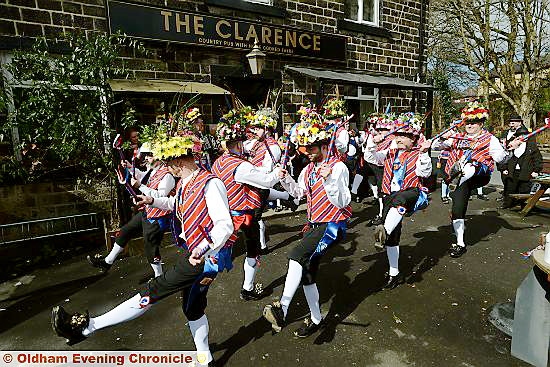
259 150
319 208
192 210
409 160
153 183
479 148
240 196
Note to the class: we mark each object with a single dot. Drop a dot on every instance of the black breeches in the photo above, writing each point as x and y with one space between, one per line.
461 195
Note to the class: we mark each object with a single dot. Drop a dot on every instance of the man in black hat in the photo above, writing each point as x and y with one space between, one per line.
516 129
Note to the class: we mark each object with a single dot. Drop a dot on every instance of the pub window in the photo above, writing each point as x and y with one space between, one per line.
265 2
362 100
362 11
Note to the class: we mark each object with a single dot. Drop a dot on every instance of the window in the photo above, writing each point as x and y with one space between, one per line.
362 11
363 100
265 2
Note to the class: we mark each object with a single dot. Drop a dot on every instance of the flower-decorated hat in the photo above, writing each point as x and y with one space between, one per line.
309 115
475 111
172 147
233 125
265 117
334 108
409 123
381 120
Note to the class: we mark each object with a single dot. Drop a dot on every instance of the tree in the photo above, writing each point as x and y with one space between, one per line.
504 42
61 101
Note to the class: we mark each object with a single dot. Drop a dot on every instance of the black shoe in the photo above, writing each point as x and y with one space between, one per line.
445 200
457 251
68 326
375 221
275 315
98 261
255 294
355 198
380 237
393 281
278 209
308 328
483 197
264 251
290 204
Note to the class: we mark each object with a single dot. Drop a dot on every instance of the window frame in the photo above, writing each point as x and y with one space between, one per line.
360 19
263 2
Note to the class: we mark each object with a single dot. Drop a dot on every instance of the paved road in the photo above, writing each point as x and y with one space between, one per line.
438 318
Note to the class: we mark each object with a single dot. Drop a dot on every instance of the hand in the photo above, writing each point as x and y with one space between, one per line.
514 144
534 175
125 164
144 200
425 145
324 170
448 134
196 258
505 172
135 183
378 138
282 173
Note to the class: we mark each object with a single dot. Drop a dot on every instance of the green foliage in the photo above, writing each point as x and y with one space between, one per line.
60 114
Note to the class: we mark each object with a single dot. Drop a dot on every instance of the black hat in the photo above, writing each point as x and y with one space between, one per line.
515 118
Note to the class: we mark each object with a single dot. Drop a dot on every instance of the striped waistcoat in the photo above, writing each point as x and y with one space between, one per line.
319 208
259 150
409 159
153 184
240 196
192 210
479 148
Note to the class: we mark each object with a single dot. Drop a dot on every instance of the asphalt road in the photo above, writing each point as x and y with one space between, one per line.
438 318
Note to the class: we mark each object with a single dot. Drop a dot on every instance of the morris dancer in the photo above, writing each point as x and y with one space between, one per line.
472 157
243 182
404 167
382 124
151 223
264 153
202 209
325 185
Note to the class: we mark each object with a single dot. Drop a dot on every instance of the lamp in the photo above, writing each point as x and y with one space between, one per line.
256 59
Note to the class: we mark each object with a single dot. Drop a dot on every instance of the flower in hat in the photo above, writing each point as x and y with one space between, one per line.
409 123
265 117
310 133
171 147
334 108
475 110
233 125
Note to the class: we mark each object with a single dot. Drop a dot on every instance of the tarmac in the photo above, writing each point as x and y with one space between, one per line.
437 318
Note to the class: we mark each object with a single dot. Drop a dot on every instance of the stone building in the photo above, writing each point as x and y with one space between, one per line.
373 49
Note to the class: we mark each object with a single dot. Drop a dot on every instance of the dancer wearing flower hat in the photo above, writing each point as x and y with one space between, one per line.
243 182
150 223
404 167
202 227
324 182
472 157
193 121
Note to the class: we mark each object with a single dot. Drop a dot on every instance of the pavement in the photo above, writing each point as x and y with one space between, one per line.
437 318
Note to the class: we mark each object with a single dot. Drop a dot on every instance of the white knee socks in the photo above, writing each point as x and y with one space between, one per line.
249 273
393 259
392 220
458 225
444 190
157 268
276 194
263 244
126 311
380 207
115 251
199 329
293 279
374 189
312 297
356 183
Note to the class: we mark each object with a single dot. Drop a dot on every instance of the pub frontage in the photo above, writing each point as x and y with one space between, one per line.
373 50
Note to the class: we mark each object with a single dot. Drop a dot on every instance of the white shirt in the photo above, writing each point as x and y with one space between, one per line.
496 150
342 141
218 209
247 173
423 164
336 185
369 154
166 185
